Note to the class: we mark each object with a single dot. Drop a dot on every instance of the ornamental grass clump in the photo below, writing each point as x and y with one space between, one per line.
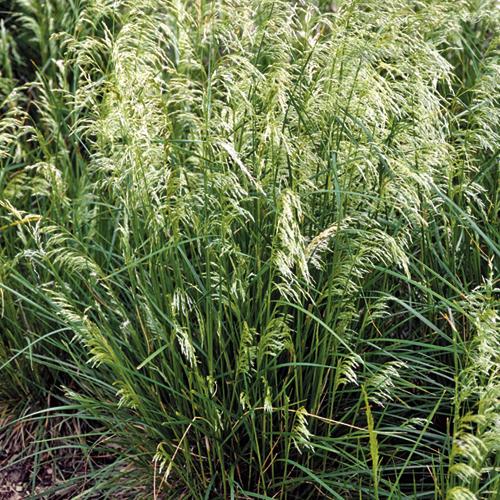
253 245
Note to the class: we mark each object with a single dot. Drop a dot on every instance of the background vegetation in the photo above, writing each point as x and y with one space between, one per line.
250 248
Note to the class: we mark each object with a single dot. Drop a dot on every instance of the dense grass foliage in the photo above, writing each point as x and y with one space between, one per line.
253 246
